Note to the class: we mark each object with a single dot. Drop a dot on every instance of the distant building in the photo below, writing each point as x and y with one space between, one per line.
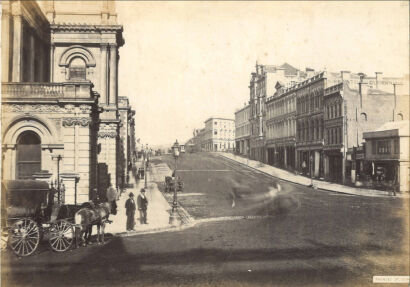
387 155
242 130
219 134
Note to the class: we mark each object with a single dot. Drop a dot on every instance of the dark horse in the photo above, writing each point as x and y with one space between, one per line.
88 216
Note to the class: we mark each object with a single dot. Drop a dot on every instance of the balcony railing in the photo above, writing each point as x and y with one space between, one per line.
47 90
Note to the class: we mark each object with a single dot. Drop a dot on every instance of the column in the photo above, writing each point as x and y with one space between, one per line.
113 75
17 48
52 48
5 43
103 83
31 57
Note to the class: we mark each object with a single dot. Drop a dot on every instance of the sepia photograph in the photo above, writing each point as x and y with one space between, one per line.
205 143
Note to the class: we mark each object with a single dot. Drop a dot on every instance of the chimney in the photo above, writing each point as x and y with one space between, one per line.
377 79
310 72
361 88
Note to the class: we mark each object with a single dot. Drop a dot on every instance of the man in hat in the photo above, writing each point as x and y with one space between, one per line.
142 206
130 211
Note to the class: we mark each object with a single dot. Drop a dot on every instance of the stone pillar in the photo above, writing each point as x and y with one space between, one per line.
70 181
52 48
31 58
17 48
285 156
5 43
107 157
77 159
104 79
113 75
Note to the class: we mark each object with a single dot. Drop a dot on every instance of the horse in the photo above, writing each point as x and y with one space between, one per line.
88 216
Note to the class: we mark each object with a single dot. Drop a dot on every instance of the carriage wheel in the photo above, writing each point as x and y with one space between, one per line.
24 237
61 235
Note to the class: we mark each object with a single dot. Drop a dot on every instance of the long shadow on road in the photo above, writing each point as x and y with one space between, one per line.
115 264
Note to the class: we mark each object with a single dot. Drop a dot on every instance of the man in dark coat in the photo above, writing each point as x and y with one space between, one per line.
142 206
130 211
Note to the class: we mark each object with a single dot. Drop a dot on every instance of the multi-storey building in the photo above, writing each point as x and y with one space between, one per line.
281 128
242 130
309 124
59 94
387 155
356 105
262 84
219 134
126 138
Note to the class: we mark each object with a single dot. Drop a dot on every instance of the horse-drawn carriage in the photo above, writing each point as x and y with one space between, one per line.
170 184
30 215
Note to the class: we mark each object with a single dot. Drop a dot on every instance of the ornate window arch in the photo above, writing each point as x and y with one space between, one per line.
76 60
77 51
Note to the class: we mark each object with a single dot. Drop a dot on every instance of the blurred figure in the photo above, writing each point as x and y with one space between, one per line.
142 202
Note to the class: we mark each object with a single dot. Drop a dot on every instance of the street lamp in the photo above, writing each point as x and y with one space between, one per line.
145 166
173 219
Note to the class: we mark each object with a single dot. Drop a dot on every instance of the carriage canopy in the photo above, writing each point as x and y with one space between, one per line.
24 193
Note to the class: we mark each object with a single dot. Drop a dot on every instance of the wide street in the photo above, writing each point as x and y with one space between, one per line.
250 237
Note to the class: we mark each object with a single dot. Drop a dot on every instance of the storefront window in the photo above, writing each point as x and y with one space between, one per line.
383 147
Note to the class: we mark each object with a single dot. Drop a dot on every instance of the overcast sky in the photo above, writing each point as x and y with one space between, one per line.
185 62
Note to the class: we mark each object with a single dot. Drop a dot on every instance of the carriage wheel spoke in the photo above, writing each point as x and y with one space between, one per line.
31 227
53 243
54 237
17 244
21 245
68 240
63 243
31 246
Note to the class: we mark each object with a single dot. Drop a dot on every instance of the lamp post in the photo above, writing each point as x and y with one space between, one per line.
173 219
145 166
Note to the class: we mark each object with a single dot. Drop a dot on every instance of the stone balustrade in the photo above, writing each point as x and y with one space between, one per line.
47 90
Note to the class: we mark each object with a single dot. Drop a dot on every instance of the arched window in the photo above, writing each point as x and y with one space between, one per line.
28 155
363 116
77 69
400 116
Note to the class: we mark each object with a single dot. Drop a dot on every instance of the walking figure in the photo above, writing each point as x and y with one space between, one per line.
130 212
142 202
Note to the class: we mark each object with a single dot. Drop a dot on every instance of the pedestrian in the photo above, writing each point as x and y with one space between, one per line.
130 212
304 167
142 202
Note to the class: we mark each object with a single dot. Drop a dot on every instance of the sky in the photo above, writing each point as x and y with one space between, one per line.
184 62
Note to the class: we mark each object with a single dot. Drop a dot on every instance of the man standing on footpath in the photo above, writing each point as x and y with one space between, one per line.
142 202
130 211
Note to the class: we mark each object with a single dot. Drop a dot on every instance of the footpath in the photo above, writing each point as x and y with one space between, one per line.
295 178
158 211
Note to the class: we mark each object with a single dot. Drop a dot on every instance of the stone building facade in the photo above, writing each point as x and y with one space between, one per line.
60 94
281 128
357 105
242 130
263 85
219 134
